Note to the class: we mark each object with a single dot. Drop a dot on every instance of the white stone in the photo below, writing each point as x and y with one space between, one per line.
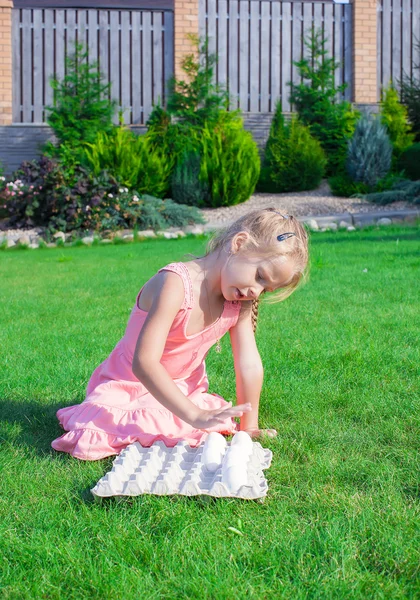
194 229
342 225
24 240
312 224
33 245
106 241
51 245
60 235
180 234
87 240
128 237
384 221
10 243
332 226
351 228
147 233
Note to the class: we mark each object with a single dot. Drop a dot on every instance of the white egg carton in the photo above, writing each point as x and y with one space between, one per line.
182 470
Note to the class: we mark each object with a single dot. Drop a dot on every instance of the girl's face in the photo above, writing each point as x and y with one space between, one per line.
245 277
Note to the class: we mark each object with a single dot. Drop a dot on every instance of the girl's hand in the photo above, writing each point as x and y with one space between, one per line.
255 432
210 418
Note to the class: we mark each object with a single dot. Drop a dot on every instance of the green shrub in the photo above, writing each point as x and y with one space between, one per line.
294 160
342 185
330 122
39 194
186 185
230 163
394 117
81 102
130 159
409 162
410 96
405 191
369 151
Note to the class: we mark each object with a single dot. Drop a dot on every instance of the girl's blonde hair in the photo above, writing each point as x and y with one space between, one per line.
264 226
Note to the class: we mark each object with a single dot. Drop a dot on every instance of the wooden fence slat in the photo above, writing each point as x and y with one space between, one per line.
93 35
243 56
82 28
348 46
202 20
318 16
147 64
59 44
38 65
296 38
307 25
254 57
114 52
275 54
233 72
211 26
16 66
48 57
338 44
407 37
222 43
27 66
265 57
157 57
396 41
136 67
286 54
125 66
168 49
103 45
378 47
70 31
328 28
416 40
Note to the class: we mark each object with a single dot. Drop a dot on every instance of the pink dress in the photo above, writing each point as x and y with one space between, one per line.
119 410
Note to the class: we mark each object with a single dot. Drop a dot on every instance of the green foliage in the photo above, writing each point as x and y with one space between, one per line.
331 122
395 117
409 162
342 185
406 191
40 194
186 185
369 151
294 160
410 96
81 102
130 159
230 163
197 100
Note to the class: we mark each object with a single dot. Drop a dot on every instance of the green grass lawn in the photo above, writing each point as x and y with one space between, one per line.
341 357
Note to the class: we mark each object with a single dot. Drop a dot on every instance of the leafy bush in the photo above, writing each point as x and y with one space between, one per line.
369 151
230 163
186 185
394 117
294 160
342 185
130 159
81 103
41 195
330 122
407 191
409 162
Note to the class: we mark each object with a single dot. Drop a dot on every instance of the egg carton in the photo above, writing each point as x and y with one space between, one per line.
179 470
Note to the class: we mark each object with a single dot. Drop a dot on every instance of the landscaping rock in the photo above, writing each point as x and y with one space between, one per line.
384 221
106 241
194 229
24 240
10 243
60 235
343 224
88 240
128 237
51 245
147 233
312 224
351 228
33 245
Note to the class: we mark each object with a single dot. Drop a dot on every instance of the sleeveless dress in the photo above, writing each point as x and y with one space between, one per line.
119 410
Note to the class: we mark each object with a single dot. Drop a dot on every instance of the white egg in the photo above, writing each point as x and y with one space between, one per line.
235 477
244 440
235 456
212 458
215 440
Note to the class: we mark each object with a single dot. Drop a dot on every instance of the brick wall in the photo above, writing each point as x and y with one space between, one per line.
5 62
185 22
364 51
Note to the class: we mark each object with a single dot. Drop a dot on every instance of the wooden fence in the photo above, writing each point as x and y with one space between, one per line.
257 42
134 50
398 32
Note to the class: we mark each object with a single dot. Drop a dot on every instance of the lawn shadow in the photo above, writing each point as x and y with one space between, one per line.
30 423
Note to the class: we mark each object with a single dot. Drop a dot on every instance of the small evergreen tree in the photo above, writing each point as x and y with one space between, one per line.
410 96
81 105
294 160
331 122
394 117
369 152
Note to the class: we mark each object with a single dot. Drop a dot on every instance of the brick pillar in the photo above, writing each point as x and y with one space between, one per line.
185 22
364 52
6 62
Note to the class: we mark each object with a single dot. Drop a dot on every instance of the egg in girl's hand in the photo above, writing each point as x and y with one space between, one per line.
235 477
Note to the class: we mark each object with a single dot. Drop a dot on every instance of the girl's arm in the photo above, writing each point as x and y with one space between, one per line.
248 370
146 366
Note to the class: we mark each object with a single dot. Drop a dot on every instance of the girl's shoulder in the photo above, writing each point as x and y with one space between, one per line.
165 282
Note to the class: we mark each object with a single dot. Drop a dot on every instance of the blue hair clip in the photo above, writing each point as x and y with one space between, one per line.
285 236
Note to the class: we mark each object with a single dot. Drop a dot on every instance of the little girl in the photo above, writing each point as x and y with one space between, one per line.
153 386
